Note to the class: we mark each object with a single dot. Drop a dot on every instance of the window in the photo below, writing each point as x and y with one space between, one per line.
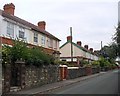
21 33
55 44
43 40
10 29
35 37
50 43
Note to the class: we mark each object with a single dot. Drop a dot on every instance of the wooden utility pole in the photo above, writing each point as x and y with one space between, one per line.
101 45
71 45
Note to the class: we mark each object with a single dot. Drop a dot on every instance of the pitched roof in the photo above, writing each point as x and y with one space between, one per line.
80 47
26 23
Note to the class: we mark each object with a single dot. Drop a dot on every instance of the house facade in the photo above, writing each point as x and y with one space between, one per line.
12 27
79 52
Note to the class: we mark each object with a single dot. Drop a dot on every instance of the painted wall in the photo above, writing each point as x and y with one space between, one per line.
29 34
78 52
66 52
0 24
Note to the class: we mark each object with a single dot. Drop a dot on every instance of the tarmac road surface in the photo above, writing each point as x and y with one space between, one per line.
103 84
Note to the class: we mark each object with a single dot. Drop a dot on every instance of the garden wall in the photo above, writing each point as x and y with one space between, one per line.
95 70
35 76
75 73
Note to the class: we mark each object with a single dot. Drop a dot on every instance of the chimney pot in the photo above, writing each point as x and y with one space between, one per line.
42 25
91 49
86 46
69 38
9 8
79 43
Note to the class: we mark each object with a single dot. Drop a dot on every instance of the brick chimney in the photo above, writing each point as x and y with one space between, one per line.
42 25
86 46
79 43
91 49
9 8
69 38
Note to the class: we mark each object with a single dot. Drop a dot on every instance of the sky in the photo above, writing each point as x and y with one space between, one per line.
92 21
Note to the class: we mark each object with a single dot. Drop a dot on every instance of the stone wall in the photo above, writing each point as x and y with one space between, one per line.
35 76
6 79
95 70
75 73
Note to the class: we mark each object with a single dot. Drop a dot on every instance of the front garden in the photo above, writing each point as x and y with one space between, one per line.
24 66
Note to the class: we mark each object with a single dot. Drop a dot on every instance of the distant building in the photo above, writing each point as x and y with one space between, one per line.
12 27
79 53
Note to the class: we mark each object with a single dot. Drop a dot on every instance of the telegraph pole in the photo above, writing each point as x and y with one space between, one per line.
102 51
71 45
101 45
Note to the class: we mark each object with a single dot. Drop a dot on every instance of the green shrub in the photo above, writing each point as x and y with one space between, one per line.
96 64
32 56
105 63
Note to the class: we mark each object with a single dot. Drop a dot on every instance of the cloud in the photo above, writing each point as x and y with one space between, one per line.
92 21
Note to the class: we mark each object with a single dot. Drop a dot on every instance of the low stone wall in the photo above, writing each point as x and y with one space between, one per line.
35 76
32 76
6 79
75 73
95 70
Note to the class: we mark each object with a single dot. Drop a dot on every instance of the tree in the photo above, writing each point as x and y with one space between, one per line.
110 51
117 39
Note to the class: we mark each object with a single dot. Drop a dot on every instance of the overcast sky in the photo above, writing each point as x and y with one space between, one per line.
92 21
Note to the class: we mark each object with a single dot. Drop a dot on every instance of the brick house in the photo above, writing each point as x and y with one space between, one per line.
79 52
13 27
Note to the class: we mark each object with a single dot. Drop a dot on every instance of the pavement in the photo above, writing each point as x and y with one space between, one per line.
49 87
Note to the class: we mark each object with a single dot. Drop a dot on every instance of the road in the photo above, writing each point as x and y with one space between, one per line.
106 83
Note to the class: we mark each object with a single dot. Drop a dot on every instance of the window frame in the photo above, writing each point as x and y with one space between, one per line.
35 38
55 44
10 29
21 30
43 39
50 43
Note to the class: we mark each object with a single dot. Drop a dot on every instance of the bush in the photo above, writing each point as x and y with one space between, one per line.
38 57
32 56
105 63
96 64
61 62
85 63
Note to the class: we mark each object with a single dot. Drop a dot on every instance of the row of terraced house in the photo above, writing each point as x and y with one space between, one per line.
12 27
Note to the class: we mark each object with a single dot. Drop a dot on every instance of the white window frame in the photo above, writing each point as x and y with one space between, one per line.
35 37
50 43
21 31
55 44
43 39
10 29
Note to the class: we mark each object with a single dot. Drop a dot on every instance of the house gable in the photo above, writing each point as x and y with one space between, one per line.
66 50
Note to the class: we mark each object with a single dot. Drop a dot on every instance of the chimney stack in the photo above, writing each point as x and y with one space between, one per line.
42 25
79 43
86 46
69 38
91 49
9 8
